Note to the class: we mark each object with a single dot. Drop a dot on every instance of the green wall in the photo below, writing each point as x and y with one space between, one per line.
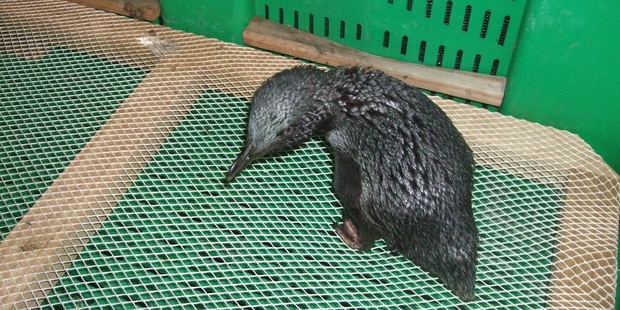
224 20
565 71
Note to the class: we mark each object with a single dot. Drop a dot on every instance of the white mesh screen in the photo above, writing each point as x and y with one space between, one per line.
116 135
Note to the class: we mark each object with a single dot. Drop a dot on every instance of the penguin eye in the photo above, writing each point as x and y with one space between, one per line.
288 130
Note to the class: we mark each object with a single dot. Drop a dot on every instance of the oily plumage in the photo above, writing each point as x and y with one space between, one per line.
402 170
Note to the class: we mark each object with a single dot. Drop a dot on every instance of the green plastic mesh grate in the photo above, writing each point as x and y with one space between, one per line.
475 36
49 109
182 238
116 136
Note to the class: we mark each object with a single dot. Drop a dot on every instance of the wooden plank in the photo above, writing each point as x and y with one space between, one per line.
75 27
585 260
126 41
139 9
46 240
283 39
584 265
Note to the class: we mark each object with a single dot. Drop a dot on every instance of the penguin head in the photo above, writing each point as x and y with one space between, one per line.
286 111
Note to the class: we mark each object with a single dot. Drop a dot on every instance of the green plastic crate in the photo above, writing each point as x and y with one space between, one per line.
471 36
558 56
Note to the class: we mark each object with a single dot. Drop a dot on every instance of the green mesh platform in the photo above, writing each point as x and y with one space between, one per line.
49 109
180 238
134 213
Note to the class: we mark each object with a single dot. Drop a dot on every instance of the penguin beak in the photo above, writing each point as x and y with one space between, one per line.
250 153
241 162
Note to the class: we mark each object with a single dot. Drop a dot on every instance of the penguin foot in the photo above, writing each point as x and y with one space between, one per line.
350 235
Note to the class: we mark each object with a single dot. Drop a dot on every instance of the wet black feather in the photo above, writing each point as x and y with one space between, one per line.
402 170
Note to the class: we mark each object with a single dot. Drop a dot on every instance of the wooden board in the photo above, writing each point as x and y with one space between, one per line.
283 39
584 263
139 9
62 221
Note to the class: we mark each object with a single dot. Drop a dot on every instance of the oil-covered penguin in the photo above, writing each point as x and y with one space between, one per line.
402 170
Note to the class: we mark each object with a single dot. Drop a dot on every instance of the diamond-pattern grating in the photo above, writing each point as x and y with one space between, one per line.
115 138
182 237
